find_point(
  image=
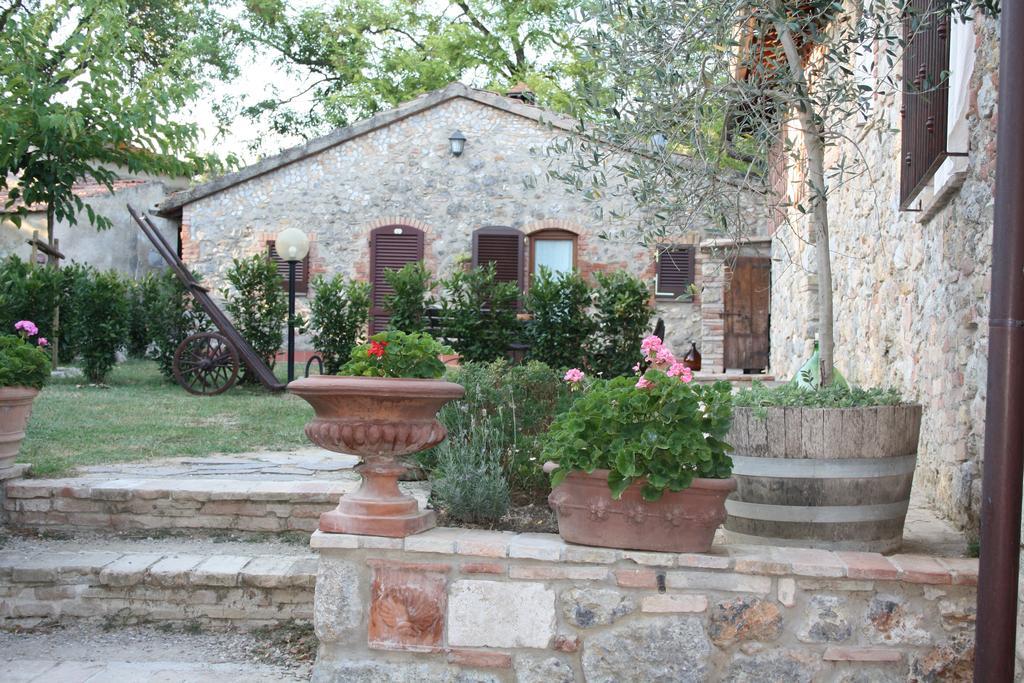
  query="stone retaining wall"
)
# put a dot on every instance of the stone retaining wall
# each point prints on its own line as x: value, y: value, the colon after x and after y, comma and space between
x: 183, y: 504
x: 464, y: 605
x: 121, y: 588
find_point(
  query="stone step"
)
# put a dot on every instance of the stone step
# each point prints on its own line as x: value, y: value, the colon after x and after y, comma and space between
x: 201, y: 582
x: 183, y: 503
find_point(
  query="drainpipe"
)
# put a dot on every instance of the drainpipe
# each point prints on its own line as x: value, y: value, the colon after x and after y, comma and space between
x: 1004, y: 414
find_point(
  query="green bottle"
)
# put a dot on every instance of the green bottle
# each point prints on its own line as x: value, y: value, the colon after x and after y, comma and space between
x: 809, y: 374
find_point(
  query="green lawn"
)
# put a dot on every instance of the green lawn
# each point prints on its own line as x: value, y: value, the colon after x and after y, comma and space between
x: 142, y: 416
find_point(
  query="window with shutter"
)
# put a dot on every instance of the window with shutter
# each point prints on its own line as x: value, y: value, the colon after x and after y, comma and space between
x: 925, y: 108
x: 675, y: 271
x: 301, y: 270
x: 391, y: 247
x: 504, y: 248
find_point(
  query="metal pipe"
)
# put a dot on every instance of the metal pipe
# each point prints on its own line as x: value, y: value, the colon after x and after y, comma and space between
x: 995, y: 634
x: 291, y: 320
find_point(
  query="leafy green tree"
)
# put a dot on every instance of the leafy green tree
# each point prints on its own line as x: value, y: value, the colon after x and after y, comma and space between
x: 560, y: 329
x: 478, y: 313
x: 101, y: 322
x: 408, y: 305
x: 91, y: 87
x: 358, y: 57
x: 622, y: 305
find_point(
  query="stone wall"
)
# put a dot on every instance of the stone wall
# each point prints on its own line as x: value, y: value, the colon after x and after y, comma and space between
x: 122, y: 247
x: 911, y: 289
x: 405, y: 173
x: 461, y: 605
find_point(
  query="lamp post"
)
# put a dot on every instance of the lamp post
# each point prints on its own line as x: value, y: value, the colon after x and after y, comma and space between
x: 292, y: 245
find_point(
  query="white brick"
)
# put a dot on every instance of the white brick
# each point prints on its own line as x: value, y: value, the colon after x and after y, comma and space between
x: 500, y: 614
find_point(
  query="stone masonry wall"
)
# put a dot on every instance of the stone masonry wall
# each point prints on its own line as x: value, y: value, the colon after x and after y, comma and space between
x: 405, y: 173
x: 460, y: 605
x: 911, y: 291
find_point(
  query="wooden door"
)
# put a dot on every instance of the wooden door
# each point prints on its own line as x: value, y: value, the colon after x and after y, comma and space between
x: 746, y: 314
x: 391, y: 247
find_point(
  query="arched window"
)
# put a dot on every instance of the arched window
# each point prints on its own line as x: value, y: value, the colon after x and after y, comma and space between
x: 553, y: 249
x: 503, y: 247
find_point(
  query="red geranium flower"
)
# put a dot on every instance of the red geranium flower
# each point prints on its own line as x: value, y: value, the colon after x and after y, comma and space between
x: 377, y: 349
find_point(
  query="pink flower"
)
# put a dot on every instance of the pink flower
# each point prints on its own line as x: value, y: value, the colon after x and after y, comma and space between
x: 650, y: 344
x: 663, y: 356
x: 636, y: 369
x: 681, y: 371
x: 573, y: 376
x: 43, y: 341
x: 644, y: 383
x: 27, y: 326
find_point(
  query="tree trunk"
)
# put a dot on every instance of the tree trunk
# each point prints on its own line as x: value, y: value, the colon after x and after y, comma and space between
x: 52, y: 263
x: 814, y: 146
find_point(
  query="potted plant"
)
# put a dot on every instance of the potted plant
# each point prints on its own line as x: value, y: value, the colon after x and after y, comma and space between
x: 24, y: 368
x: 382, y: 406
x: 827, y: 467
x: 641, y: 463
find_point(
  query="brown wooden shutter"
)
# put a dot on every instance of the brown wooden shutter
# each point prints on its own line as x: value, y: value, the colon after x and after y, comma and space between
x: 301, y: 270
x: 391, y: 247
x: 925, y: 94
x: 504, y: 248
x: 675, y: 270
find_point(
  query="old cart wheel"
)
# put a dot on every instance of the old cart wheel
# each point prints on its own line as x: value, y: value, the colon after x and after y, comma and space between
x: 206, y: 364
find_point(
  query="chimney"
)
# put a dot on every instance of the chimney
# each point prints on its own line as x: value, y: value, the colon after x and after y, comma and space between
x: 520, y: 91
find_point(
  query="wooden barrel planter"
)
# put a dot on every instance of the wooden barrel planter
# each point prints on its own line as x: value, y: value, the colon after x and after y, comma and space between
x: 835, y: 478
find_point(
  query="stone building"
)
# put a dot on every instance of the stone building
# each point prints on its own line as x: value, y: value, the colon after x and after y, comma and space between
x: 911, y: 284
x: 122, y: 247
x: 395, y: 188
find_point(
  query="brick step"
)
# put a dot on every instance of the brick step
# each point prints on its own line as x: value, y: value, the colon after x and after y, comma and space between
x: 187, y: 503
x: 241, y: 584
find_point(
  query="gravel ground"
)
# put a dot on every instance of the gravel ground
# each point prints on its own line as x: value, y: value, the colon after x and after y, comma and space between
x: 286, y: 654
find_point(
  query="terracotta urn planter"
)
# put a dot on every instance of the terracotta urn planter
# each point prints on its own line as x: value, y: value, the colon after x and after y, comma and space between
x: 683, y: 521
x: 15, y: 409
x: 381, y: 420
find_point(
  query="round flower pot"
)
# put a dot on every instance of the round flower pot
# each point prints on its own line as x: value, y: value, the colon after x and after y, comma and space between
x: 680, y: 521
x: 15, y: 409
x: 381, y: 420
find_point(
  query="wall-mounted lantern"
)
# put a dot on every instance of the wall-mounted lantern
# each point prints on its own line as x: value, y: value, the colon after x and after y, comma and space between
x: 457, y: 143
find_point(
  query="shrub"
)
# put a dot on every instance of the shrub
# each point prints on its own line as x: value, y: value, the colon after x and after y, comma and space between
x: 258, y: 306
x: 397, y: 354
x: 29, y: 293
x: 760, y: 396
x: 561, y: 325
x: 101, y: 322
x: 408, y: 305
x: 517, y: 402
x: 139, y: 335
x: 75, y: 278
x: 478, y: 313
x: 624, y: 312
x: 172, y: 316
x: 468, y: 483
x: 337, y: 317
x: 23, y: 362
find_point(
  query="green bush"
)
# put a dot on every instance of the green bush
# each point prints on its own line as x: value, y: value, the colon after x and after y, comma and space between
x: 468, y: 483
x: 623, y: 310
x: 258, y: 306
x: 397, y: 354
x: 139, y: 335
x: 75, y: 279
x: 515, y: 402
x: 478, y: 314
x: 408, y: 305
x: 760, y: 396
x: 23, y: 362
x: 29, y: 293
x: 667, y: 432
x: 172, y: 316
x: 101, y: 322
x: 337, y: 317
x: 561, y: 325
